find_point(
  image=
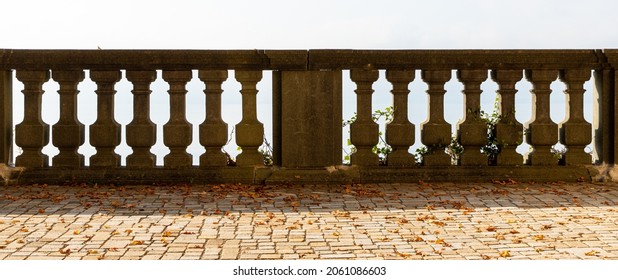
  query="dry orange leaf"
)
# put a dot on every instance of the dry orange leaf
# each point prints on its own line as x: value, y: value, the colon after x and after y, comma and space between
x: 76, y: 231
x: 416, y: 238
x: 491, y: 228
x: 591, y: 253
x: 136, y: 242
x: 538, y: 237
x: 505, y: 253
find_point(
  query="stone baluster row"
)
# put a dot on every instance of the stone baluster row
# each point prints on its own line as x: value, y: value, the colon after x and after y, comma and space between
x: 105, y: 133
x: 541, y: 132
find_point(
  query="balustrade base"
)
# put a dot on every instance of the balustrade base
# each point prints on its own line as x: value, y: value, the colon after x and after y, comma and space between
x: 301, y: 176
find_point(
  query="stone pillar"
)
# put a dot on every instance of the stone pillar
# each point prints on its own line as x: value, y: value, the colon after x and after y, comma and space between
x: 105, y: 131
x: 177, y: 132
x: 400, y: 131
x: 509, y: 132
x: 250, y: 131
x: 213, y: 131
x: 435, y: 131
x: 6, y: 117
x: 575, y: 131
x: 542, y: 131
x: 68, y: 132
x: 472, y: 130
x: 309, y: 116
x: 364, y: 131
x: 141, y: 132
x: 32, y: 134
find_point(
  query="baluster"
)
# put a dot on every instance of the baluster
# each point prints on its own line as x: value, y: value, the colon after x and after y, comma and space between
x: 32, y: 134
x: 400, y: 131
x: 68, y: 133
x: 542, y: 131
x: 472, y: 130
x: 177, y: 132
x: 509, y: 132
x: 575, y: 131
x: 141, y: 132
x: 213, y: 131
x: 364, y: 131
x: 435, y: 131
x: 249, y: 132
x: 105, y: 131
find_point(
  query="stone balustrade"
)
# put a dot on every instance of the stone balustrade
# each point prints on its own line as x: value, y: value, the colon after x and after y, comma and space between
x: 307, y: 115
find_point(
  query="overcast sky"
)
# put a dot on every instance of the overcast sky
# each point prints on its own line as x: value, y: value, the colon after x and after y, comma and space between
x: 114, y: 24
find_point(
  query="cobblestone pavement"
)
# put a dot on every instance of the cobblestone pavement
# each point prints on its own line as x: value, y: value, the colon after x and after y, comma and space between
x: 388, y: 221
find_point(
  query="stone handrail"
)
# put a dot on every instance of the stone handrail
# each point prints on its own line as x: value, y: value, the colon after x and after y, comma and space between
x: 308, y: 84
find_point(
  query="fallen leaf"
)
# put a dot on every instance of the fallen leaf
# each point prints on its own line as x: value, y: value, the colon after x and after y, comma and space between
x: 93, y: 252
x: 41, y: 211
x: 166, y: 233
x: 491, y: 228
x: 416, y: 238
x: 136, y: 242
x: 505, y: 254
x: 538, y: 237
x: 591, y: 253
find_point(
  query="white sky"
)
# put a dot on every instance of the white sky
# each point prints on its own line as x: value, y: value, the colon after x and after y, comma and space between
x: 290, y: 24
x: 294, y: 24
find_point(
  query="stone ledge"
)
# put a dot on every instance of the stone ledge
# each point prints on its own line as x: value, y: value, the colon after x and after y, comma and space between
x: 327, y: 175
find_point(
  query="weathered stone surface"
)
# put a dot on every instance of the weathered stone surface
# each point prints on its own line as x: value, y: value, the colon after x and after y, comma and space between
x: 213, y: 131
x: 435, y: 131
x: 364, y: 131
x: 6, y: 117
x: 141, y: 132
x: 575, y: 131
x: 310, y: 103
x: 542, y: 131
x: 105, y: 131
x: 400, y: 131
x: 177, y: 132
x: 509, y: 132
x: 32, y: 134
x: 250, y: 131
x: 472, y: 130
x: 68, y: 133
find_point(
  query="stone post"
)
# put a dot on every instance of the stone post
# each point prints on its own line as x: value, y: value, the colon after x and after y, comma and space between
x: 6, y: 117
x: 472, y: 130
x: 105, y: 131
x: 250, y: 131
x: 509, y: 132
x: 542, y: 131
x: 575, y: 131
x: 400, y: 131
x: 141, y: 132
x: 68, y: 132
x: 308, y: 109
x: 364, y: 131
x: 435, y: 131
x: 177, y: 132
x: 213, y: 131
x: 32, y: 134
